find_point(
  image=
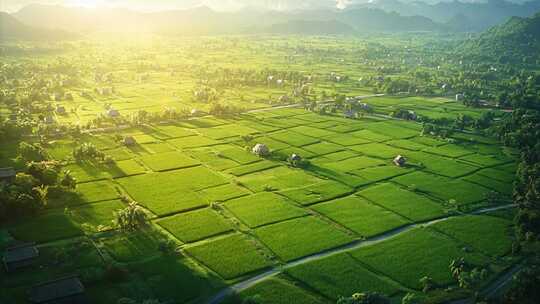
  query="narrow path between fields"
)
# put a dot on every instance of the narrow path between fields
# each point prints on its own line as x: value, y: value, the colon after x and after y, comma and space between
x: 245, y: 284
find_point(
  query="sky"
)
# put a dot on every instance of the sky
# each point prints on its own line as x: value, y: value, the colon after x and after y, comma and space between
x: 222, y: 5
x: 14, y: 5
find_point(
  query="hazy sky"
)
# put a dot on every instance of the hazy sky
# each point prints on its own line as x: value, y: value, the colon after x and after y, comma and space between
x: 14, y: 5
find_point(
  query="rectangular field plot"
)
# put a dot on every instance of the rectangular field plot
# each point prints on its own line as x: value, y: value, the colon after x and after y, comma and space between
x: 195, y: 225
x: 87, y: 172
x: 230, y: 256
x: 406, y: 203
x: 378, y: 150
x: 346, y: 140
x: 380, y: 173
x: 391, y: 129
x: 485, y: 160
x: 171, y: 191
x: 168, y: 161
x: 211, y: 157
x: 313, y: 132
x: 96, y: 191
x: 95, y: 217
x: 487, y: 234
x: 322, y: 148
x: 252, y: 168
x: 412, y: 255
x: 450, y: 150
x: 49, y: 226
x: 163, y: 275
x: 338, y: 156
x: 172, y: 131
x: 263, y: 208
x: 193, y: 142
x: 407, y: 144
x: 276, y: 291
x: 226, y: 131
x: 370, y: 135
x: 360, y: 216
x: 439, y: 164
x: 279, y: 178
x: 499, y: 175
x: 505, y: 188
x: 131, y: 247
x: 223, y: 193
x: 446, y: 189
x: 126, y: 168
x: 339, y: 275
x: 315, y: 193
x: 300, y: 237
x: 238, y: 155
x: 293, y: 138
x: 272, y: 144
x: 350, y: 164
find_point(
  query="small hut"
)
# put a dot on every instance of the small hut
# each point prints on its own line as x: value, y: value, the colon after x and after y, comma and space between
x: 62, y: 290
x: 129, y: 141
x: 400, y: 161
x: 60, y: 110
x: 113, y: 113
x: 19, y: 256
x: 295, y: 157
x: 195, y: 112
x: 7, y: 175
x: 260, y: 150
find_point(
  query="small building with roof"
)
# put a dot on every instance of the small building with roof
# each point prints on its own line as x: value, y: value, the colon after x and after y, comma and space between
x: 19, y: 256
x: 7, y: 175
x: 260, y: 150
x: 113, y: 113
x: 66, y: 290
x: 60, y: 109
x: 129, y: 141
x: 400, y: 161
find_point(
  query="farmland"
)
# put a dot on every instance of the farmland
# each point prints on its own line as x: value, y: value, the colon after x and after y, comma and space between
x: 344, y: 219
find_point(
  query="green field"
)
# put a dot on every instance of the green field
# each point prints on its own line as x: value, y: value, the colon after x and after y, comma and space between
x: 344, y: 219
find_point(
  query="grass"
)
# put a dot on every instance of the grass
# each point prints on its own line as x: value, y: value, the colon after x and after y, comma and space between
x: 340, y: 275
x: 440, y: 165
x: 505, y: 188
x: 323, y: 148
x: 171, y: 191
x: 370, y: 135
x: 360, y: 216
x: 346, y: 140
x: 168, y: 161
x: 293, y: 138
x: 315, y: 193
x: 163, y: 276
x: 127, y: 168
x: 230, y: 256
x: 49, y: 226
x: 95, y: 217
x: 459, y: 191
x: 417, y: 253
x: 485, y: 160
x: 132, y: 246
x: 193, y: 142
x: 450, y: 150
x: 299, y: 237
x: 223, y: 193
x: 263, y: 208
x: 252, y: 168
x: 379, y: 173
x: 275, y: 291
x: 97, y: 191
x: 239, y: 155
x: 487, y: 234
x: 194, y: 226
x: 406, y: 203
x: 279, y: 178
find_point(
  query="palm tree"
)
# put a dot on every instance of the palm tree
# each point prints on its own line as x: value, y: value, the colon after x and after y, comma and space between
x: 131, y: 218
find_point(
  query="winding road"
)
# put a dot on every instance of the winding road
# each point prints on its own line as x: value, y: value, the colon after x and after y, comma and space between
x: 247, y: 283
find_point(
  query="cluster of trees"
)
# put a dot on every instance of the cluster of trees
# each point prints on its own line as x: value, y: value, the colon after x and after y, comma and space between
x: 88, y: 152
x: 29, y: 191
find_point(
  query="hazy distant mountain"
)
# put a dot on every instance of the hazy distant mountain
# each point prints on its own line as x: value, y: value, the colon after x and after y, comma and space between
x: 203, y: 20
x: 516, y: 40
x: 476, y: 15
x: 12, y: 29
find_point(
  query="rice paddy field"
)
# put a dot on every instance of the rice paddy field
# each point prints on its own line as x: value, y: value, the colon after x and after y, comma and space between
x: 347, y: 221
